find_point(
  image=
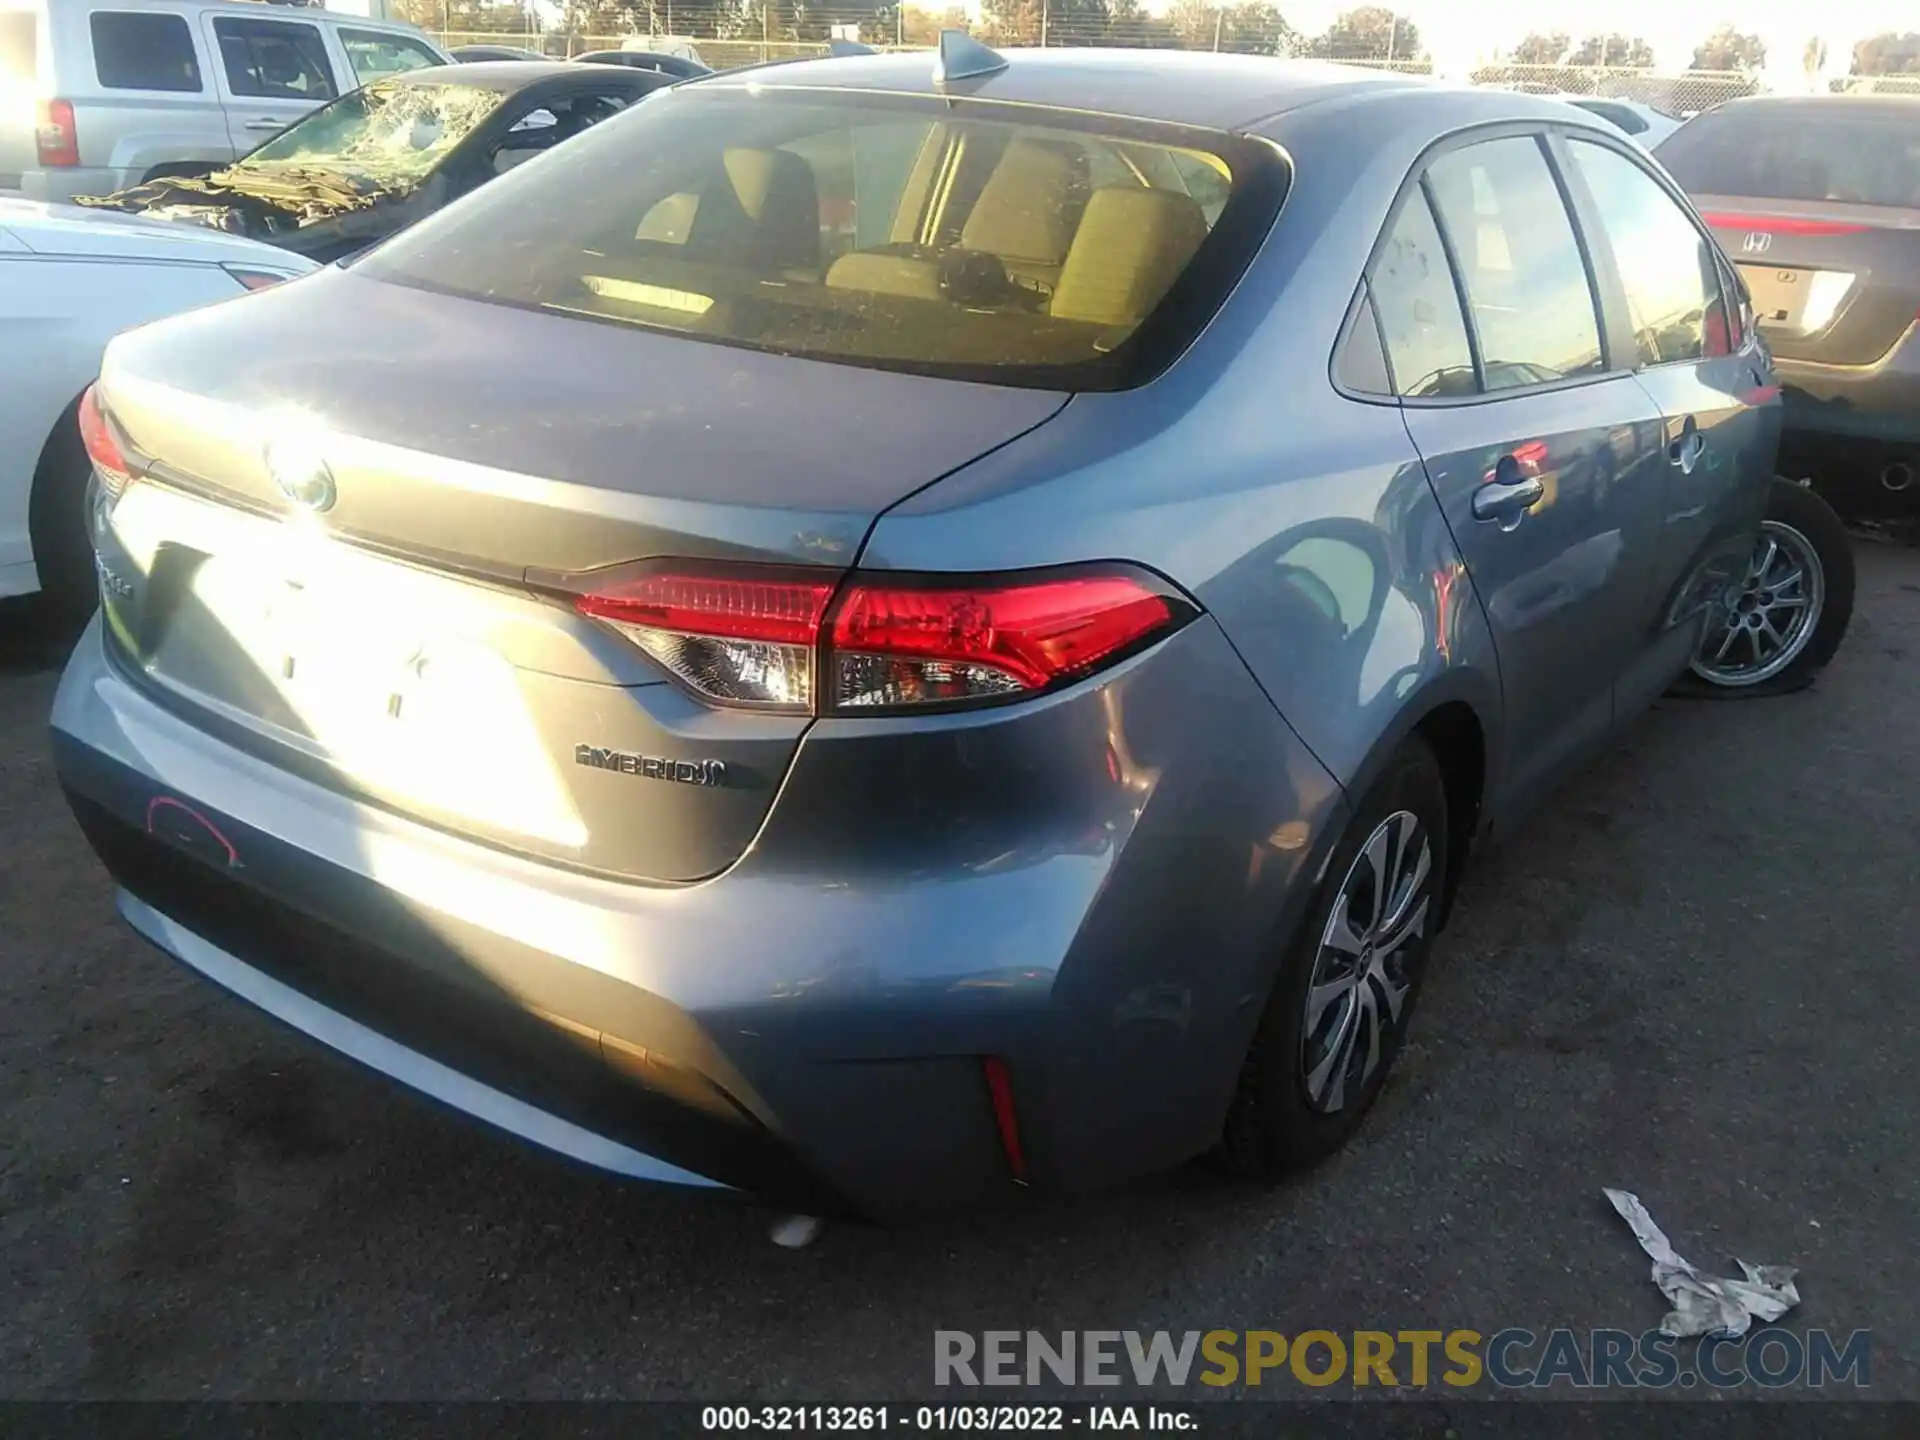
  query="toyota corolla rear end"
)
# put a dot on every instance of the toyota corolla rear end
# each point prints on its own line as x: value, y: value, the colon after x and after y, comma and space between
x: 1817, y: 201
x: 491, y: 684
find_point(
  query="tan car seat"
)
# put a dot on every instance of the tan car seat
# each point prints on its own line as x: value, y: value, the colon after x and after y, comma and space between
x: 765, y: 216
x: 1029, y: 208
x: 1131, y: 244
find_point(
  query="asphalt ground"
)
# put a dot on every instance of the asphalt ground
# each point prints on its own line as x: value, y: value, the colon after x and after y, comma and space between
x: 1692, y: 976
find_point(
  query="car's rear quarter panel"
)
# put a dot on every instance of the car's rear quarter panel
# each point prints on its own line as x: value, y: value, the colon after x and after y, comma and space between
x: 1246, y: 477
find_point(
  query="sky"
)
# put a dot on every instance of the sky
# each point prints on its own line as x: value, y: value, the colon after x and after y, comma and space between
x: 1460, y: 34
x: 1457, y: 32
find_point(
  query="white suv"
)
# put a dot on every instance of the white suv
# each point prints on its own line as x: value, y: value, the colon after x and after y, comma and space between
x: 97, y: 95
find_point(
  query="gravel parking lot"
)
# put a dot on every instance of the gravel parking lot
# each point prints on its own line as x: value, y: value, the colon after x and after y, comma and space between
x: 1692, y: 977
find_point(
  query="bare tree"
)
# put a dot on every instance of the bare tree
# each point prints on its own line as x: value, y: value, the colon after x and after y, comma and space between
x: 1614, y: 49
x: 1730, y: 49
x: 1538, y: 49
x: 1372, y: 32
x: 1888, y: 54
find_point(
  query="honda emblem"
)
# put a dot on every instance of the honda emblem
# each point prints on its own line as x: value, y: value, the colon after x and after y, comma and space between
x: 1758, y: 242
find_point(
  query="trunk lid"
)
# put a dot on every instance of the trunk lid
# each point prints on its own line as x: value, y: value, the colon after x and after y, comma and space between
x: 1834, y: 283
x: 391, y: 643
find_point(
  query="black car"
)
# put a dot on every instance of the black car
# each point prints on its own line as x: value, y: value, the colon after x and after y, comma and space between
x: 374, y: 161
x: 680, y: 67
x: 470, y: 54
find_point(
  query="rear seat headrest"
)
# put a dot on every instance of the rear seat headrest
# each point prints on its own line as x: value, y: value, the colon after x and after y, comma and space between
x: 777, y: 198
x: 1031, y: 202
x: 1131, y: 244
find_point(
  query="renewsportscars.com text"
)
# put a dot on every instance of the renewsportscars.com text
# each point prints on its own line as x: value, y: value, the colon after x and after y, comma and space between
x: 1402, y: 1359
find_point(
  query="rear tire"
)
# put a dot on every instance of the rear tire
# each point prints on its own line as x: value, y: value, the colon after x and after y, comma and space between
x: 1803, y: 562
x: 57, y: 526
x: 1347, y: 988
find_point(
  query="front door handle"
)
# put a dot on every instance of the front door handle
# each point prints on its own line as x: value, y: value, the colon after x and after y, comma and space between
x: 1687, y: 450
x: 1507, y: 501
x: 268, y: 124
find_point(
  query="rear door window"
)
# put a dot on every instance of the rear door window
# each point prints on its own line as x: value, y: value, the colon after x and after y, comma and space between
x: 1419, y: 308
x: 143, y: 52
x: 1362, y: 363
x: 274, y: 60
x: 374, y: 54
x: 552, y: 122
x: 1527, y: 290
x: 1666, y: 265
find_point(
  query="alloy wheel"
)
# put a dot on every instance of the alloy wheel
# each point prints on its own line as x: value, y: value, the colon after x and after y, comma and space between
x: 1363, y: 970
x: 1767, y: 616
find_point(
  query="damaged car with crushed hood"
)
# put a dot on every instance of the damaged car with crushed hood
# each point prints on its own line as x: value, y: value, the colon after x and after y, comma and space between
x: 373, y: 161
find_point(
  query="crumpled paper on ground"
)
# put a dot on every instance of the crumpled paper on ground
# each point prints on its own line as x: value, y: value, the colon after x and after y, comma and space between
x: 1705, y: 1304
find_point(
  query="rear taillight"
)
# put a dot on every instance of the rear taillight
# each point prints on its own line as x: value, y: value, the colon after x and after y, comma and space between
x: 1783, y: 224
x: 109, y: 462
x: 54, y: 135
x: 735, y: 636
x: 898, y: 645
x: 802, y: 641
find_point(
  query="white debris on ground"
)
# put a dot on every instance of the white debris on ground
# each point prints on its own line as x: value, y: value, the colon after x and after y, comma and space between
x: 796, y: 1232
x: 1705, y: 1304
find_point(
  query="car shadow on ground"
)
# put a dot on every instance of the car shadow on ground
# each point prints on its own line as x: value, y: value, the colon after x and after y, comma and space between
x: 31, y: 638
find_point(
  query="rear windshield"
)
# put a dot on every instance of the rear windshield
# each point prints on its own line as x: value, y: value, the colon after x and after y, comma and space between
x: 17, y: 62
x: 1008, y: 244
x: 1799, y: 154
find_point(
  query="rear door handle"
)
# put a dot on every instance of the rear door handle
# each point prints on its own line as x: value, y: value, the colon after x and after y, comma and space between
x: 265, y: 125
x: 1687, y: 450
x: 1507, y: 501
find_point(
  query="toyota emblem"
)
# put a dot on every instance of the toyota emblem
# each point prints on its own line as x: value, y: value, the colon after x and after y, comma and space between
x: 1758, y: 242
x: 301, y: 474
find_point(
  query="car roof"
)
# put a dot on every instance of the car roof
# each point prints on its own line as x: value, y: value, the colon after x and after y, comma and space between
x: 1902, y: 105
x: 236, y: 7
x: 505, y: 76
x: 1179, y: 87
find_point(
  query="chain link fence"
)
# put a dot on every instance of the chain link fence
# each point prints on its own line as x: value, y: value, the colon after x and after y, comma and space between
x: 720, y: 54
x: 727, y: 36
x: 1681, y: 94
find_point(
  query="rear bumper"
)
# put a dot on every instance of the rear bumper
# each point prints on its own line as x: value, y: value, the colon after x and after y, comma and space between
x: 389, y: 1056
x: 808, y: 1026
x: 1880, y: 401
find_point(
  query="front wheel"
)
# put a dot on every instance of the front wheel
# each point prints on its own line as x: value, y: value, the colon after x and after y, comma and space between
x: 1784, y: 617
x: 1347, y: 986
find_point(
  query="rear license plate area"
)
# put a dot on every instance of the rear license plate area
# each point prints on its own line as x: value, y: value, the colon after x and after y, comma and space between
x: 382, y: 673
x: 358, y: 659
x: 1779, y: 296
